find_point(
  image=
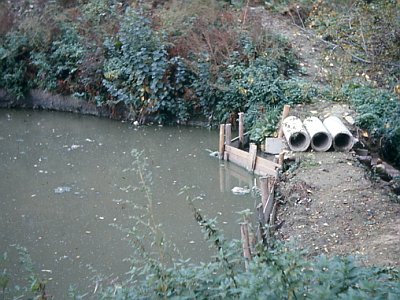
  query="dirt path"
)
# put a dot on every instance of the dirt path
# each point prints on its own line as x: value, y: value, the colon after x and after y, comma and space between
x: 308, y: 49
x: 330, y: 204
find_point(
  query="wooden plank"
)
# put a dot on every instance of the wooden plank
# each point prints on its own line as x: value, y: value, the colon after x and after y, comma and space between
x: 269, y: 202
x: 244, y: 232
x: 272, y: 216
x: 262, y: 166
x: 252, y: 157
x: 241, y: 130
x: 265, y: 167
x: 285, y: 113
x: 264, y: 194
x: 221, y: 179
x: 221, y: 141
x: 228, y: 134
x: 238, y: 159
x: 237, y: 152
x: 281, y: 159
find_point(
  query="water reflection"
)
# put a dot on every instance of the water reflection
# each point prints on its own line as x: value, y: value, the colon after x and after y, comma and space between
x: 66, y: 178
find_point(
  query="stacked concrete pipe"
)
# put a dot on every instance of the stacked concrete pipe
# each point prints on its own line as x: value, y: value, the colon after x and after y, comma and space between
x: 342, y: 139
x: 296, y: 135
x: 321, y: 139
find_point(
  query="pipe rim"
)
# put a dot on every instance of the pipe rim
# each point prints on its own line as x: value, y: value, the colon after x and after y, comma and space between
x: 321, y: 141
x: 342, y: 142
x: 298, y: 141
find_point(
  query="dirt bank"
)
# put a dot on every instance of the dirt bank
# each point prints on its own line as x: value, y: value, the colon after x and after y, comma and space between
x: 37, y: 99
x: 332, y: 205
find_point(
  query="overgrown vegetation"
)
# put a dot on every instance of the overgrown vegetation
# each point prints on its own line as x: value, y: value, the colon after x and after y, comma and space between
x: 214, y: 64
x: 379, y: 114
x: 176, y: 60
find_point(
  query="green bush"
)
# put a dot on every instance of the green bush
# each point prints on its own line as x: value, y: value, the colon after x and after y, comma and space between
x: 139, y: 72
x: 58, y: 68
x: 14, y: 64
x: 378, y: 113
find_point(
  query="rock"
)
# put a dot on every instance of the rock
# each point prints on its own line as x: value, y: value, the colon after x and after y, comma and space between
x: 350, y: 120
x: 395, y: 185
x: 365, y: 160
x: 380, y: 169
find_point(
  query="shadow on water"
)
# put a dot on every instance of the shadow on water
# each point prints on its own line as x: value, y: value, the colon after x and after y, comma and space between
x: 65, y: 178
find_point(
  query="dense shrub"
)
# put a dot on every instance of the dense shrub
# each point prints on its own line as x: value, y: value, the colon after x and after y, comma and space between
x: 58, y: 68
x: 139, y: 72
x: 14, y: 64
x: 379, y: 114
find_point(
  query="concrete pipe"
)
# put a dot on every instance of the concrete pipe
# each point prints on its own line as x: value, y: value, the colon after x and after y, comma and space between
x: 295, y: 133
x: 321, y: 139
x: 341, y: 136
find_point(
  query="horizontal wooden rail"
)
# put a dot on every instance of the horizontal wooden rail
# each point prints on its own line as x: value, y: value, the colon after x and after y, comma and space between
x: 259, y: 165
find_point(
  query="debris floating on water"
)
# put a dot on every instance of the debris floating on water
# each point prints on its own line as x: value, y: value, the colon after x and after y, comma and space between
x: 62, y: 189
x: 212, y: 153
x: 74, y: 147
x: 240, y: 190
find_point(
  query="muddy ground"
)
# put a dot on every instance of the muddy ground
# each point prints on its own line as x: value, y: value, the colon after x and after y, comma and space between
x: 331, y: 203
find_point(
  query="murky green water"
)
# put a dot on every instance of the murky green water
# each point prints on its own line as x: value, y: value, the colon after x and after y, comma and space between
x: 64, y: 180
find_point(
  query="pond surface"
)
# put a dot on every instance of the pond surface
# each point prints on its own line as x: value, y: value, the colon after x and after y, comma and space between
x: 65, y: 178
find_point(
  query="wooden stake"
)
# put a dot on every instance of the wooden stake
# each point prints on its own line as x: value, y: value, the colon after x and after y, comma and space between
x: 228, y: 134
x: 264, y: 193
x: 221, y: 147
x: 222, y: 178
x: 252, y: 157
x: 281, y: 158
x: 244, y: 232
x: 285, y: 113
x: 241, y: 130
x: 261, y: 224
x: 267, y: 196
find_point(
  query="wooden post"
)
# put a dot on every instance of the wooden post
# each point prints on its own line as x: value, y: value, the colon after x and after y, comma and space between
x: 267, y: 196
x: 281, y: 159
x: 221, y: 147
x: 222, y: 178
x: 285, y: 113
x: 272, y: 216
x: 264, y: 194
x: 244, y: 232
x: 228, y: 134
x: 261, y: 224
x: 252, y: 157
x: 241, y: 130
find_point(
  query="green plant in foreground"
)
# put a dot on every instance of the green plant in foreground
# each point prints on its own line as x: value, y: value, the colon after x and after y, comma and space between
x: 279, y: 271
x: 33, y: 286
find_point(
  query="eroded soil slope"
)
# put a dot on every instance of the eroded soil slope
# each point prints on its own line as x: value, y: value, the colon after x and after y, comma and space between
x: 331, y: 205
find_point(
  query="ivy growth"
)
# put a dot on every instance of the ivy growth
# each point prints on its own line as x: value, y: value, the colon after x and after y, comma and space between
x: 139, y: 72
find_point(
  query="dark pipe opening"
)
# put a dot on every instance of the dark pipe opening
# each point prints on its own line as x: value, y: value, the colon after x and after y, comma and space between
x: 342, y: 141
x: 297, y: 140
x: 320, y: 141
